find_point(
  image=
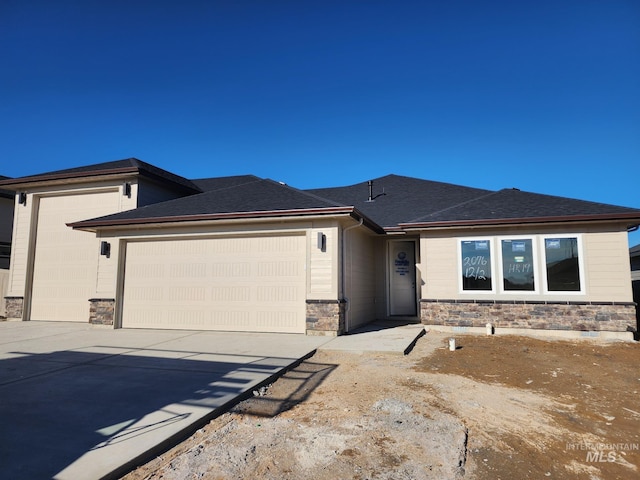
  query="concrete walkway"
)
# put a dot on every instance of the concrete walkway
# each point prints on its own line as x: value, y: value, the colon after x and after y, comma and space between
x: 378, y: 337
x: 85, y: 402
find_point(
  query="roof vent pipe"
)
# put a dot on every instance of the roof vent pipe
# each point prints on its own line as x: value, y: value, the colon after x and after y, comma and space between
x: 371, y: 197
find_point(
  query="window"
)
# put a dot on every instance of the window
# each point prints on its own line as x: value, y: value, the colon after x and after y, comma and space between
x: 562, y: 264
x: 476, y: 265
x: 521, y: 265
x: 518, y: 265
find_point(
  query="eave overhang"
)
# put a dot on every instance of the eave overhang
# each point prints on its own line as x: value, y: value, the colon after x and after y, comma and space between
x: 109, y: 224
x: 67, y: 178
x: 631, y: 219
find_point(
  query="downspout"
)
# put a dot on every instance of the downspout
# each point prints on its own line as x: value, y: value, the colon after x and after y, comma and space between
x: 343, y: 274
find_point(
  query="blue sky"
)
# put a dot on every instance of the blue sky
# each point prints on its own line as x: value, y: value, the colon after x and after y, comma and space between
x: 543, y: 96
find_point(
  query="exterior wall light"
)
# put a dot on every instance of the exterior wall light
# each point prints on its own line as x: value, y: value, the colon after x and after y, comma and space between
x: 126, y: 189
x: 105, y: 249
x: 22, y: 198
x: 322, y: 241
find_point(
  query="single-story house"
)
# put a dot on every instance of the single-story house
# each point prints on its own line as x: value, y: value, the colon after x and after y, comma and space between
x: 131, y: 245
x: 634, y: 257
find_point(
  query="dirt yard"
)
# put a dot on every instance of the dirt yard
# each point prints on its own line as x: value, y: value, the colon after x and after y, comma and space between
x: 498, y: 407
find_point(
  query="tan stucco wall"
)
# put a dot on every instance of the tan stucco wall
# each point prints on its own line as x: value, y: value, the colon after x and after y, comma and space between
x: 360, y: 277
x: 20, y: 247
x: 322, y: 266
x: 607, y: 267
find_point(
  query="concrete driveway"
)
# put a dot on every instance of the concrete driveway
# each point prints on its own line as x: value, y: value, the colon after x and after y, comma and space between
x: 86, y: 402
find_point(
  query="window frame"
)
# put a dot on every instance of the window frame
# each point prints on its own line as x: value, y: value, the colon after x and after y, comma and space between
x: 492, y: 263
x: 581, y: 271
x: 538, y: 246
x: 535, y: 265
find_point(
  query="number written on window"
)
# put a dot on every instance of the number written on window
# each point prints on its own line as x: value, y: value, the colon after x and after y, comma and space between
x: 476, y: 265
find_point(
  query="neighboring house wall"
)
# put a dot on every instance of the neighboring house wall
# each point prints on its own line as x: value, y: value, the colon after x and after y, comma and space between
x: 4, y: 286
x: 635, y: 265
x: 6, y: 222
x: 604, y: 302
x: 635, y: 283
x: 6, y: 231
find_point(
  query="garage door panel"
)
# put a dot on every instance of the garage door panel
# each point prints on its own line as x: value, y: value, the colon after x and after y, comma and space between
x: 65, y: 263
x: 241, y: 284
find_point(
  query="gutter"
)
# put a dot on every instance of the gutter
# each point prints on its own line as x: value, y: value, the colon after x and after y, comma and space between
x: 93, y: 225
x: 635, y: 217
x: 85, y: 176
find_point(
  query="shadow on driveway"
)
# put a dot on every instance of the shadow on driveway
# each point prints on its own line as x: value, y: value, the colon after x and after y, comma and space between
x: 98, y: 411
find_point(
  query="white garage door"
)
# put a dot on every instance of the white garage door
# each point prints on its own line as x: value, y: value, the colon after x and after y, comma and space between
x: 252, y: 284
x: 65, y: 265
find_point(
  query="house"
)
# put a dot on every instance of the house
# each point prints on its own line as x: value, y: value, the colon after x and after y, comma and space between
x: 130, y: 245
x: 6, y: 229
x: 634, y: 256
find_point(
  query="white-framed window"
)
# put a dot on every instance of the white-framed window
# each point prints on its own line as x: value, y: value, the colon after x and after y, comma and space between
x: 518, y: 266
x: 476, y: 265
x: 531, y: 264
x: 563, y: 264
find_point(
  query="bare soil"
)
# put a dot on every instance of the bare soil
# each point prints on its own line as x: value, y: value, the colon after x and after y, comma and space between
x: 498, y: 407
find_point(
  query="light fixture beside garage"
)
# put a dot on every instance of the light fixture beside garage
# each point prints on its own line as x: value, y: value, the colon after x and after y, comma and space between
x: 105, y: 248
x: 322, y: 241
x: 22, y: 198
x: 126, y: 190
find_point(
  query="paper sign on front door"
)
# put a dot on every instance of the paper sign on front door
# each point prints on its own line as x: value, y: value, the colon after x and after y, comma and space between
x: 402, y: 278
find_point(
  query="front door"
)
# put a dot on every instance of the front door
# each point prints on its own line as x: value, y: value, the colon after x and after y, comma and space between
x: 402, y: 278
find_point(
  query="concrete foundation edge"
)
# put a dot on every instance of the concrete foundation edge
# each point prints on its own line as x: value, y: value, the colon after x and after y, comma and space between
x: 548, y: 334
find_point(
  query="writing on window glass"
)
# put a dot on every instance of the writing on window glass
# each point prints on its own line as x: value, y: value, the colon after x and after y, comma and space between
x: 476, y: 265
x: 517, y: 265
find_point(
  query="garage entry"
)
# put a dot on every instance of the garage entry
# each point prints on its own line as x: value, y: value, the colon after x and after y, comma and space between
x: 251, y: 284
x: 65, y: 263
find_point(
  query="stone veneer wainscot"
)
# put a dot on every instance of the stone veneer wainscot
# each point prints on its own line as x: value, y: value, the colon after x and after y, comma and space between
x: 14, y: 307
x: 102, y: 311
x: 325, y: 317
x: 581, y: 316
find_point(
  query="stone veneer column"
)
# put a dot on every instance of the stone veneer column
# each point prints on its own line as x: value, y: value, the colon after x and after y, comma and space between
x: 325, y: 317
x: 14, y: 307
x: 580, y: 316
x: 101, y: 311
